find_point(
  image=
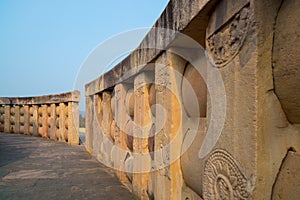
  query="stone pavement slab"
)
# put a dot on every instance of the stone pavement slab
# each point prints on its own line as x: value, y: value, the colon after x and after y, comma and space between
x: 37, y: 168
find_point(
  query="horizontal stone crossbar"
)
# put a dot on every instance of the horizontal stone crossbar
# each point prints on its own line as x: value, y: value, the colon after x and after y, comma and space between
x: 45, y: 99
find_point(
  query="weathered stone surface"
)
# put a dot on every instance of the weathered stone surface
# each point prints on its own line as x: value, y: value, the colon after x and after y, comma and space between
x: 106, y: 114
x: 73, y: 123
x: 7, y: 118
x: 224, y: 43
x: 193, y: 84
x: 177, y: 17
x: 152, y: 99
x: 89, y: 118
x: 287, y: 182
x: 63, y: 136
x: 286, y: 59
x: 129, y: 128
x: 193, y: 175
x: 141, y: 132
x: 248, y: 115
x: 120, y: 118
x: 168, y: 140
x: 26, y: 119
x: 113, y: 105
x: 223, y: 178
x: 53, y: 116
x: 35, y: 125
x: 274, y: 132
x: 2, y: 116
x: 97, y: 121
x: 188, y: 193
x: 46, y: 99
x: 45, y: 127
x: 129, y: 102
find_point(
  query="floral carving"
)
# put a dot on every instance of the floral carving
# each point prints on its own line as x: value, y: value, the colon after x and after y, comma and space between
x: 223, y: 179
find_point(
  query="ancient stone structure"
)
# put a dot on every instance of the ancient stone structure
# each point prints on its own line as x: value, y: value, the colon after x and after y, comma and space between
x: 53, y: 116
x: 179, y: 122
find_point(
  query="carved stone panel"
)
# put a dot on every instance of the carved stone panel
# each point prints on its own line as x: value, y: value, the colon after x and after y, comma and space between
x: 286, y: 59
x: 225, y: 43
x: 287, y: 182
x: 223, y: 179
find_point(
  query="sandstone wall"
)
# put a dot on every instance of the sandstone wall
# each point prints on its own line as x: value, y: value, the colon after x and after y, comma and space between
x: 53, y: 116
x: 177, y: 121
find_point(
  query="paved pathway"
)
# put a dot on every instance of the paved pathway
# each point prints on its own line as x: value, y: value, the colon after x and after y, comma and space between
x: 37, y: 168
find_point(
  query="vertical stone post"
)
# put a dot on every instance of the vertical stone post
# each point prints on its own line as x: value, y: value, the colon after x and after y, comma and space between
x: 40, y: 120
x: 26, y: 119
x: 44, y: 121
x: 12, y: 126
x: 107, y: 142
x: 57, y: 123
x: 22, y: 119
x: 142, y: 119
x: 73, y: 123
x: 120, y: 119
x: 30, y: 120
x: 1, y: 118
x: 169, y: 181
x: 98, y: 138
x: 89, y: 117
x: 7, y: 119
x: 35, y: 120
x: 107, y: 114
x: 62, y: 118
x: 52, y: 122
x: 17, y: 119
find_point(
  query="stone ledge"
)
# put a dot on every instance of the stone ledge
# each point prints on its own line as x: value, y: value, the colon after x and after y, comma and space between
x: 73, y: 96
x: 178, y: 16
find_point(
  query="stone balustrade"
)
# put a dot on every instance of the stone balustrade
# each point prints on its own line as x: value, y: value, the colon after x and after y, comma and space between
x: 179, y: 122
x: 52, y: 116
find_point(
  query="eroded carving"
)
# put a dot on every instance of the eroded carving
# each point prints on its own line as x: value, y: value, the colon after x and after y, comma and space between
x: 163, y: 79
x: 225, y: 43
x: 223, y: 179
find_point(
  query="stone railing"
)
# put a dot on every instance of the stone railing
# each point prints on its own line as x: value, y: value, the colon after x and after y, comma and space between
x: 179, y: 122
x: 53, y: 116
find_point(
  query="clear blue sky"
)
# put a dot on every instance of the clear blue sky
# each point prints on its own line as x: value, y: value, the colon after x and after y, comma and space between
x: 44, y: 42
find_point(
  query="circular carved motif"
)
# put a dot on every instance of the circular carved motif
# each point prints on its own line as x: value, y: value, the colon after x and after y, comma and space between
x: 225, y: 44
x: 223, y: 179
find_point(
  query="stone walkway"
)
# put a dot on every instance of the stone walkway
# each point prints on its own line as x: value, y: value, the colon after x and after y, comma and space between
x: 37, y: 168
